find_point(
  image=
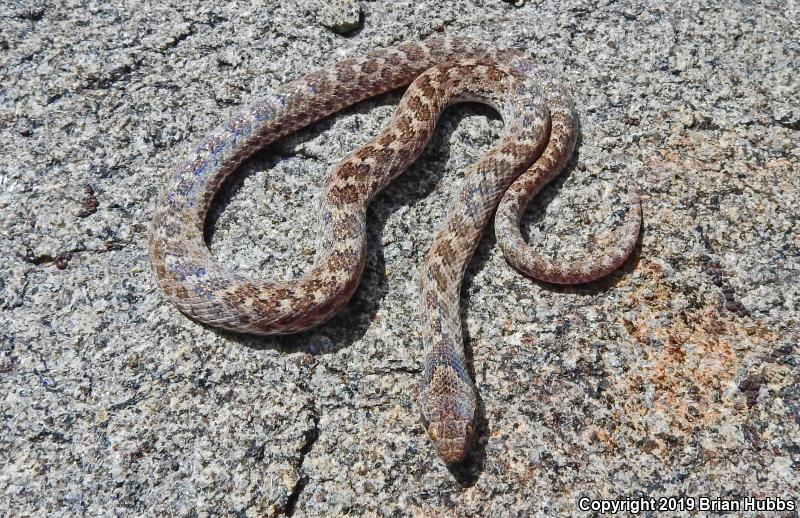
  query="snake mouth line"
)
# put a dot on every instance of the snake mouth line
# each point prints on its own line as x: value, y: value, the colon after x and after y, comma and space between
x: 453, y: 438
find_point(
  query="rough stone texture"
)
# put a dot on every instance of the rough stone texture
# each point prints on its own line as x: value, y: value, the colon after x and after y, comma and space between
x: 676, y: 376
x: 341, y: 16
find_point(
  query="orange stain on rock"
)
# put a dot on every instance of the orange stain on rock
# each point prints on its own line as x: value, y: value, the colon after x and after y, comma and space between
x: 691, y: 359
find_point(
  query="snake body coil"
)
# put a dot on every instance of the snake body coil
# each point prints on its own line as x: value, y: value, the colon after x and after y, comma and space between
x: 540, y: 133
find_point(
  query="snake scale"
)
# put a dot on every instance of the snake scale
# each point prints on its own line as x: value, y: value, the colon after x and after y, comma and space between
x: 539, y: 137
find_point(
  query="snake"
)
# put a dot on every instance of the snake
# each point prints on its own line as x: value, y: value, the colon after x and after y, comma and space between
x: 539, y: 135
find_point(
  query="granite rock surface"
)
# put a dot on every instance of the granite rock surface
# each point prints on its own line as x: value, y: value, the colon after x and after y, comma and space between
x: 677, y: 375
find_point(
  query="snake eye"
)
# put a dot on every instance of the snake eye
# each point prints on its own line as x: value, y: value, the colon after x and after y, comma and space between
x: 432, y: 433
x: 470, y: 429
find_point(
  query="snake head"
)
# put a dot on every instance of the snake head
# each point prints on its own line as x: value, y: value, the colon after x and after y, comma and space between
x: 452, y: 438
x: 447, y: 399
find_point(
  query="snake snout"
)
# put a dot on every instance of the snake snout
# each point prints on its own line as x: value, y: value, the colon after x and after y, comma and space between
x: 452, y: 438
x: 447, y: 401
